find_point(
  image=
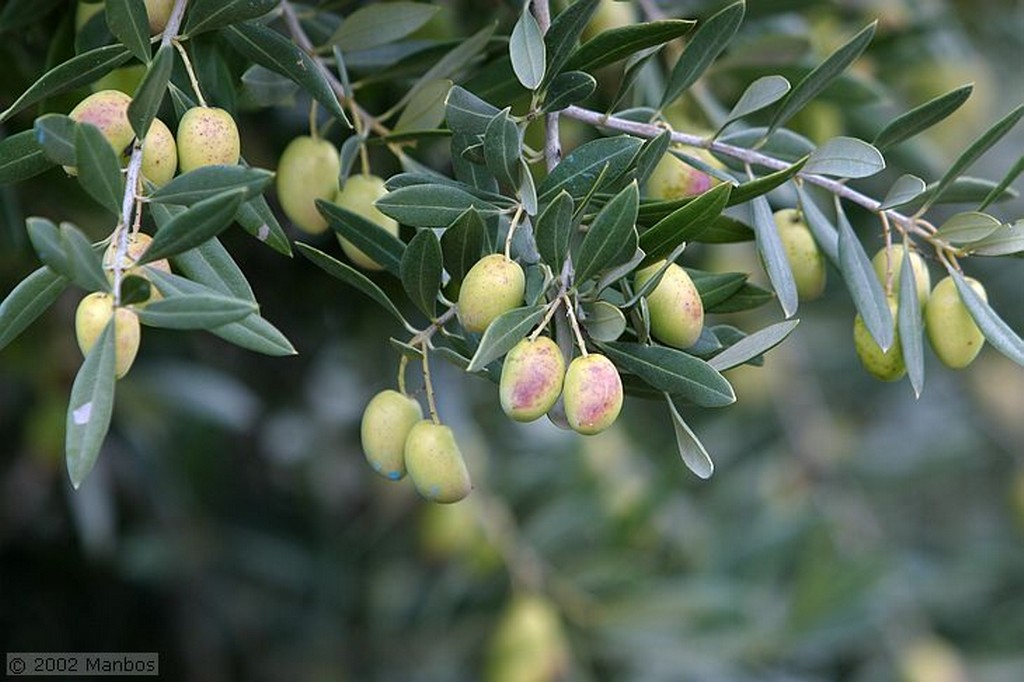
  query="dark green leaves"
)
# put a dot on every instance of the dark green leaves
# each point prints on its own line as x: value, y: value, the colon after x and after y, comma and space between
x: 380, y: 24
x: 150, y: 94
x: 822, y: 75
x: 21, y: 157
x: 67, y: 252
x: 209, y: 181
x: 578, y: 172
x: 467, y: 113
x: 527, y: 51
x: 965, y: 228
x: 752, y: 346
x: 195, y: 311
x: 433, y: 205
x: 707, y: 43
x: 773, y: 255
x: 272, y: 50
x: 55, y: 134
x: 569, y: 88
x: 129, y: 23
x: 560, y: 40
x: 684, y: 224
x: 611, y: 46
x: 463, y: 243
x: 603, y: 245
x: 380, y: 245
x: 906, y: 188
x: 420, y: 271
x: 908, y: 323
x: 674, y: 372
x: 504, y: 332
x: 691, y: 450
x: 75, y: 72
x: 90, y: 407
x: 921, y: 118
x: 860, y: 278
x: 996, y: 331
x: 206, y: 15
x: 204, y: 220
x: 760, y: 94
x: 502, y: 149
x: 553, y: 230
x: 27, y: 301
x: 99, y: 172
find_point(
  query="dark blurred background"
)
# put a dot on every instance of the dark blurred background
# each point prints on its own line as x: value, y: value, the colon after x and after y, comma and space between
x: 850, y: 532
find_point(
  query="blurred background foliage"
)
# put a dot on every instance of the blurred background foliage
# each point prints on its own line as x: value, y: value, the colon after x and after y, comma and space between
x: 850, y: 532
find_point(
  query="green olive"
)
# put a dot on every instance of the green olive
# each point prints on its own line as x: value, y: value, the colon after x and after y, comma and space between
x: 494, y: 285
x: 207, y: 136
x: 386, y: 423
x: 922, y: 278
x: 677, y: 313
x: 531, y: 378
x: 359, y: 195
x: 885, y: 365
x: 952, y: 332
x: 802, y: 252
x: 592, y: 393
x: 308, y: 170
x: 92, y: 316
x: 435, y: 464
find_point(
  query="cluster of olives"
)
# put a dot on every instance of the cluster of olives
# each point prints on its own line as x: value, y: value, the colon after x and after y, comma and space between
x: 206, y: 136
x: 308, y: 170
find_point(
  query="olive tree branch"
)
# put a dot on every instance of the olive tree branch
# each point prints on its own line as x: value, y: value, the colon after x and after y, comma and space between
x: 134, y: 171
x: 552, y: 140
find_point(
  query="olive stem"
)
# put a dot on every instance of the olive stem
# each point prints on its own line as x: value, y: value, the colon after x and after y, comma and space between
x: 552, y: 307
x: 428, y: 385
x: 131, y: 201
x: 887, y: 235
x: 403, y: 362
x: 574, y: 323
x: 313, y: 131
x: 512, y: 230
x: 426, y: 334
x: 191, y: 72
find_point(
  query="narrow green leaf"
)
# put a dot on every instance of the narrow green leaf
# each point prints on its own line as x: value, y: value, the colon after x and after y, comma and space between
x: 380, y: 245
x: 203, y: 221
x: 650, y: 154
x: 1007, y: 240
x: 686, y: 223
x: 84, y: 261
x: 567, y: 88
x: 129, y: 23
x: 866, y: 290
x: 553, y: 230
x: 277, y: 53
x: 253, y: 332
x: 150, y: 93
x: 207, y: 15
x: 759, y: 95
x: 527, y: 191
x: 421, y: 269
x: 21, y: 157
x: 75, y: 72
x: 750, y: 347
x: 964, y: 228
x: 453, y: 62
x: 381, y: 24
x: 610, y: 46
x: 426, y: 109
x: 27, y: 301
x: 90, y: 408
x: 463, y: 243
x: 910, y: 327
x: 502, y: 149
x: 209, y: 181
x: 845, y: 157
x: 266, y: 88
x: 212, y: 265
x: 716, y: 287
x: 963, y: 190
x: 673, y: 371
x: 766, y: 183
x: 256, y: 218
x: 579, y: 170
x: 974, y: 152
x: 996, y: 331
x: 434, y: 205
x: 503, y: 333
x: 922, y: 117
x: 633, y: 68
x: 821, y: 76
x: 195, y: 311
x: 566, y: 28
x: 692, y: 451
x: 99, y: 172
x: 749, y: 297
x: 55, y: 134
x: 773, y: 255
x: 904, y: 190
x: 526, y: 49
x: 825, y: 233
x: 352, y: 277
x: 48, y: 245
x: 603, y: 243
x: 466, y: 113
x: 710, y: 39
x: 999, y: 189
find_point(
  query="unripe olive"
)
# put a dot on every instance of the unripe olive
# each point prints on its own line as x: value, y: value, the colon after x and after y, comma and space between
x: 494, y: 285
x: 802, y: 252
x: 158, y: 11
x: 952, y: 332
x: 922, y: 278
x: 529, y: 643
x: 677, y: 313
x: 592, y: 393
x: 435, y: 464
x: 92, y: 316
x: 386, y: 423
x: 308, y: 170
x: 531, y: 378
x: 125, y: 79
x: 159, y: 154
x: 672, y: 178
x: 609, y: 15
x: 359, y: 196
x: 137, y: 245
x: 887, y: 365
x: 207, y: 136
x: 108, y: 111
